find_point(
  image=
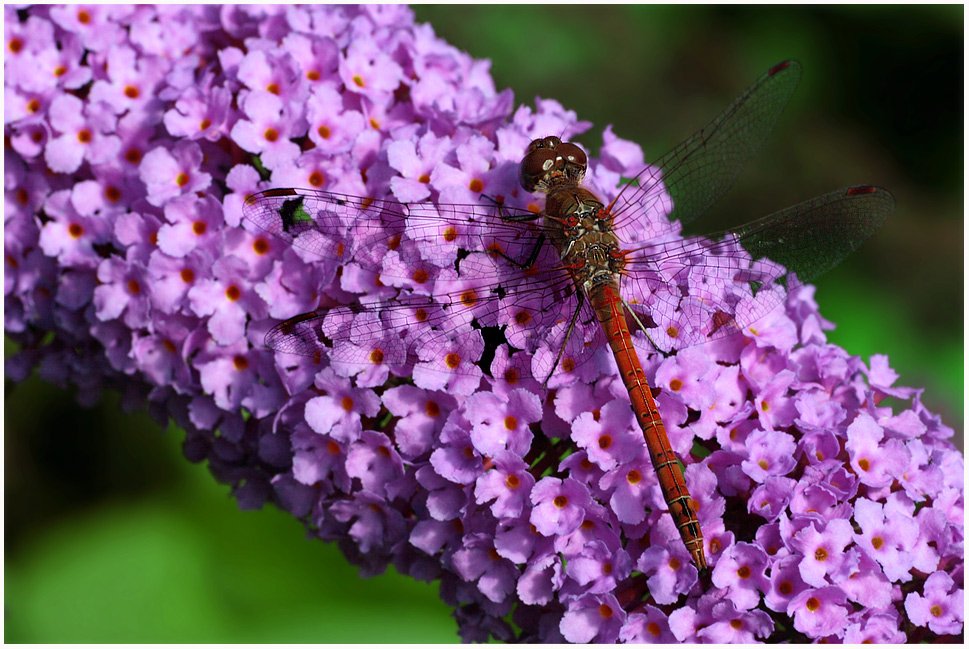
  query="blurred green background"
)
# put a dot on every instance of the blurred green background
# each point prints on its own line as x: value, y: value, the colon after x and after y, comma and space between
x: 111, y: 537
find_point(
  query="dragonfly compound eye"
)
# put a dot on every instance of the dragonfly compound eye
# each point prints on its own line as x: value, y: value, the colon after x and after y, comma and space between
x: 549, y: 142
x: 572, y: 153
x: 535, y: 168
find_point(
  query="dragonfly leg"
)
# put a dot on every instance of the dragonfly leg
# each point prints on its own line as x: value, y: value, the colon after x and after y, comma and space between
x: 536, y: 250
x: 532, y: 256
x: 642, y: 328
x: 580, y: 297
x: 518, y: 218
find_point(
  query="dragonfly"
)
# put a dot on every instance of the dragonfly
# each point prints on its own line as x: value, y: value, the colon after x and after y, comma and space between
x: 556, y: 286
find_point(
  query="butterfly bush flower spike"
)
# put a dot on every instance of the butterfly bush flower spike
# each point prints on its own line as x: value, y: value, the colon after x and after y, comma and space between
x: 831, y: 499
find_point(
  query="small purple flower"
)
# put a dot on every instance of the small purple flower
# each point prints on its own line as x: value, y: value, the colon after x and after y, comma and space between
x: 269, y: 72
x: 741, y: 570
x: 422, y: 415
x: 593, y: 617
x: 375, y: 358
x: 819, y: 612
x: 451, y: 366
x: 669, y: 574
x: 939, y: 607
x: 415, y: 161
x: 500, y: 424
x: 268, y: 129
x: 733, y: 625
x: 175, y: 172
x: 559, y: 506
x: 690, y: 375
x: 880, y: 628
x: 770, y: 454
x: 157, y: 354
x: 234, y: 377
x: 317, y: 459
x: 508, y: 484
x: 479, y: 561
x: 541, y: 579
x: 867, y: 584
x: 455, y: 458
x: 774, y: 407
x: 373, y: 461
x: 98, y: 26
x: 785, y: 583
x: 650, y: 625
x: 199, y: 113
x: 598, y: 568
x: 875, y: 464
x: 70, y: 237
x: 887, y: 537
x: 339, y: 403
x: 607, y: 435
x: 824, y: 551
x: 82, y: 133
x: 225, y: 300
x: 131, y: 82
x: 631, y: 488
x: 370, y: 72
x: 472, y: 179
x: 772, y: 498
x: 331, y: 127
x: 123, y: 289
x: 373, y: 523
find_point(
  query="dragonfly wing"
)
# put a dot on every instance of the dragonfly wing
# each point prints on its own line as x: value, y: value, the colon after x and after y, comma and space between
x: 528, y: 311
x: 348, y: 228
x: 703, y: 167
x: 461, y: 266
x: 813, y: 237
x: 700, y: 289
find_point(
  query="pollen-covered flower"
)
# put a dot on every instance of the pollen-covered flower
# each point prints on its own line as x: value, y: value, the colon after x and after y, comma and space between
x: 436, y: 399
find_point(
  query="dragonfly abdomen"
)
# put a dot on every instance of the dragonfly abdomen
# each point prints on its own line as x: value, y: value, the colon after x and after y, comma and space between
x: 611, y: 315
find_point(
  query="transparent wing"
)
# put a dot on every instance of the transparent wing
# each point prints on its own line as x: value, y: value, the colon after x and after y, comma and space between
x: 533, y: 319
x: 362, y: 230
x: 699, y: 289
x: 687, y: 292
x: 458, y: 267
x: 703, y: 167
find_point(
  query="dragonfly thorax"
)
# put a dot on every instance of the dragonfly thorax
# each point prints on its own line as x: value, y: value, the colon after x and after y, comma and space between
x: 579, y: 228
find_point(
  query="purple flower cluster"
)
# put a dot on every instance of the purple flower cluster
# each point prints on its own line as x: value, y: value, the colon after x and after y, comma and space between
x: 134, y: 135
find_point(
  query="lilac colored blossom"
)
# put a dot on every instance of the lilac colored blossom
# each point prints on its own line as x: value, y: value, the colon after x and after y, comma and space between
x: 768, y: 455
x: 827, y: 514
x: 649, y: 625
x: 741, y: 571
x: 479, y: 561
x: 823, y: 551
x: 877, y: 628
x: 887, y: 537
x: 786, y: 583
x: 559, y: 506
x: 668, y: 574
x: 734, y: 626
x: 876, y: 464
x: 593, y: 618
x: 508, y: 484
x: 820, y: 612
x: 498, y: 424
x: 939, y: 606
x: 609, y: 438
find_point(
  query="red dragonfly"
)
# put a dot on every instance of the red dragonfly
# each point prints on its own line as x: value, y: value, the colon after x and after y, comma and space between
x: 492, y: 270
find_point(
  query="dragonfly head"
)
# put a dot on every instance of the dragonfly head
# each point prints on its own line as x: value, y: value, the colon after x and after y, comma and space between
x: 550, y: 162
